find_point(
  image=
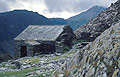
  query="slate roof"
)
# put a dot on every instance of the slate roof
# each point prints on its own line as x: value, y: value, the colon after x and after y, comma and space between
x: 41, y: 32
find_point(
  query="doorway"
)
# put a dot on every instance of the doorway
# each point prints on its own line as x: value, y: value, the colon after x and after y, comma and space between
x: 23, y: 50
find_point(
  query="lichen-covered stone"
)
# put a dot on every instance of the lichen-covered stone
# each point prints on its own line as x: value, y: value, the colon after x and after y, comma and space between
x: 101, y: 58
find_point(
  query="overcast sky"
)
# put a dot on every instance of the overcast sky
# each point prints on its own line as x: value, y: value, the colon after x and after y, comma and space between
x: 53, y: 8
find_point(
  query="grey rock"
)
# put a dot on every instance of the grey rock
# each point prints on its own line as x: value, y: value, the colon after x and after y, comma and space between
x: 99, y: 24
x: 61, y: 75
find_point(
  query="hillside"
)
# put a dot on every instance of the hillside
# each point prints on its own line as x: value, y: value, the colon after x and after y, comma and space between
x: 76, y: 21
x: 58, y: 21
x: 100, y: 58
x: 96, y: 26
x: 14, y: 22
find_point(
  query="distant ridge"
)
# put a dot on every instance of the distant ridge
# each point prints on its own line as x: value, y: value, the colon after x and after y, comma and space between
x: 58, y: 21
x: 76, y: 21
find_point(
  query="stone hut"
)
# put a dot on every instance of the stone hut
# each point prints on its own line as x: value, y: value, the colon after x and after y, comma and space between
x: 43, y: 39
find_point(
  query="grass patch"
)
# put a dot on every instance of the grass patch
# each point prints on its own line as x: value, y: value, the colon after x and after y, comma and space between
x: 117, y: 31
x: 112, y: 32
x: 21, y: 73
x: 58, y: 57
x: 78, y: 41
x: 2, y: 65
x: 33, y: 60
x: 75, y: 71
x: 66, y: 73
x: 66, y: 48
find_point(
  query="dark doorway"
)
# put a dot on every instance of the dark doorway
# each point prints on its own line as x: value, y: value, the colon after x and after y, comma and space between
x: 23, y: 51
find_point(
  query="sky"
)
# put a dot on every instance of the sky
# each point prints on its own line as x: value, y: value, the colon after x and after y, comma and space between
x: 53, y: 8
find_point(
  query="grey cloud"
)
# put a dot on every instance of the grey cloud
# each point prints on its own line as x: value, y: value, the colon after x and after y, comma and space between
x: 6, y: 4
x: 3, y: 6
x: 73, y: 5
x: 57, y: 6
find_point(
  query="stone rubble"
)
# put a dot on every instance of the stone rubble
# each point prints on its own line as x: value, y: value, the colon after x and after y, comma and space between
x: 45, y: 64
x: 101, y: 58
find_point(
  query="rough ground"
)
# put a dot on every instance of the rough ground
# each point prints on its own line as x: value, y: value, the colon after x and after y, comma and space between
x: 100, y: 58
x: 37, y: 66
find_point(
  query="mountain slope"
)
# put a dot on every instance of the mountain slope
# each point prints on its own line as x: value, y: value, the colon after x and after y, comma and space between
x: 100, y: 58
x: 14, y: 22
x: 103, y: 21
x: 58, y: 21
x: 82, y: 18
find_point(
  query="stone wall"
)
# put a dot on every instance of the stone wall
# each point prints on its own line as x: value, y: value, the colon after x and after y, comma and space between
x: 59, y: 47
x: 30, y: 48
x: 66, y: 37
x: 18, y: 44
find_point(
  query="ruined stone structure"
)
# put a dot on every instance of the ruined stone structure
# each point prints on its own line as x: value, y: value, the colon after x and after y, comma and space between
x: 43, y: 39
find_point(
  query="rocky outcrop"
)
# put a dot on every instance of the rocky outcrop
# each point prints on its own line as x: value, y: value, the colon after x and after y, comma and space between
x: 100, y: 58
x: 99, y: 24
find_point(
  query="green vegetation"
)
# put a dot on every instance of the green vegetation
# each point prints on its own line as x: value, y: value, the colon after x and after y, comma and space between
x: 65, y: 56
x: 2, y: 65
x: 21, y: 73
x: 78, y: 41
x: 66, y: 73
x: 117, y: 31
x: 33, y: 60
x: 75, y: 70
x: 66, y: 48
x: 112, y: 32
